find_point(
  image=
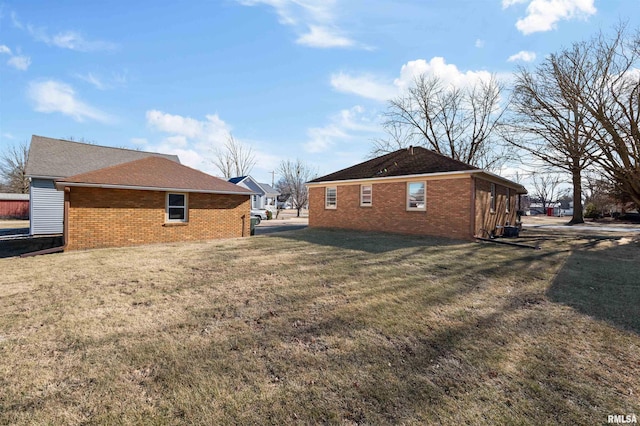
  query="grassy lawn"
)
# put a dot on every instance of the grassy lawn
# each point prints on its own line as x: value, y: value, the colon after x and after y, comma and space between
x: 324, y: 326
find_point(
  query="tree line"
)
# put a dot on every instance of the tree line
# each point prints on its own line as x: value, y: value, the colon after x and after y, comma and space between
x: 577, y: 111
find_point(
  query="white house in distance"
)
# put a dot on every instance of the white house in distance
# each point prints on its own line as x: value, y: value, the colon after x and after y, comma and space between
x: 265, y: 196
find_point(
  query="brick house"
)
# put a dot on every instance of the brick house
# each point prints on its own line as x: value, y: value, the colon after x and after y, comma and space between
x: 151, y: 200
x: 51, y: 159
x: 415, y: 191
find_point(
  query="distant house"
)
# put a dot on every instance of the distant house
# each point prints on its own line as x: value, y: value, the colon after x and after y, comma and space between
x: 14, y: 206
x: 415, y: 191
x: 51, y: 159
x: 264, y: 197
x: 150, y: 200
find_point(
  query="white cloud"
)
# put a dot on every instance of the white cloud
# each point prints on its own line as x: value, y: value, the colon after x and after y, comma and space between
x: 93, y: 80
x: 20, y: 62
x: 373, y: 87
x: 17, y: 61
x: 324, y: 37
x: 543, y: 15
x: 523, y: 55
x: 365, y: 85
x: 348, y: 125
x: 191, y: 139
x: 314, y: 20
x: 479, y: 43
x: 194, y: 141
x: 72, y: 40
x: 507, y: 3
x: 15, y: 21
x: 50, y: 96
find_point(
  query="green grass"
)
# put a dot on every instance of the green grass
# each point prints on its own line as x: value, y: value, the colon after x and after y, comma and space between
x: 316, y: 326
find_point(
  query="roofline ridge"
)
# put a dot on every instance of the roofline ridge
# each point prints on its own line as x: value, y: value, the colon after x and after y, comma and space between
x: 105, y: 146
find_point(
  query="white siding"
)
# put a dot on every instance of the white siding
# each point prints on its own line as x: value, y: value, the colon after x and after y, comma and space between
x: 47, y: 208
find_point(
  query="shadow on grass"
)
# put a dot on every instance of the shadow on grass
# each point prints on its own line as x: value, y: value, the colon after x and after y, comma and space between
x: 364, y: 241
x: 18, y: 246
x: 603, y: 282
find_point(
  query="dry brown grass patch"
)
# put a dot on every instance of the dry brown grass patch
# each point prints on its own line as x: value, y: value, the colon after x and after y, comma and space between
x: 309, y: 327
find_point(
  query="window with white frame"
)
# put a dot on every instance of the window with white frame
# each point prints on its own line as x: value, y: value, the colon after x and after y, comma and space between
x: 330, y: 197
x: 366, y: 195
x: 493, y: 198
x: 176, y: 207
x: 416, y: 195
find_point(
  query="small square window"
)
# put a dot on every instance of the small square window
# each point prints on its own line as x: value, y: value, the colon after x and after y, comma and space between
x: 366, y: 195
x: 176, y: 209
x: 330, y: 198
x: 417, y: 196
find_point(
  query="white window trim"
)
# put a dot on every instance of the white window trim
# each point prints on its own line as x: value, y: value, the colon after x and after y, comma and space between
x: 416, y: 209
x: 186, y: 208
x: 326, y: 200
x: 362, y: 203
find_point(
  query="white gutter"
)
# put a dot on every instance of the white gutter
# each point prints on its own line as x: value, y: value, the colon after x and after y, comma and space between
x: 62, y: 184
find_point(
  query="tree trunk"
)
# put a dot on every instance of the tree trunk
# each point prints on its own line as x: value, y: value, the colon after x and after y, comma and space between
x: 578, y: 216
x: 299, y: 208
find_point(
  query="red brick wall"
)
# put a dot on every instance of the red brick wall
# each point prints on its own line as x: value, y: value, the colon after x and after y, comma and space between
x: 487, y: 221
x: 118, y: 217
x: 448, y: 212
x: 14, y: 209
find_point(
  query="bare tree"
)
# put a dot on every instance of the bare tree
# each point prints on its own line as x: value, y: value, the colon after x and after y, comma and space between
x: 13, y: 164
x: 457, y: 122
x: 545, y: 189
x: 549, y: 124
x: 234, y: 159
x: 294, y: 175
x: 611, y: 98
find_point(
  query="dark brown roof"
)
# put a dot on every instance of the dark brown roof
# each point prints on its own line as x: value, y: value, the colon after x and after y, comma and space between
x: 410, y: 161
x: 153, y: 173
x: 57, y: 158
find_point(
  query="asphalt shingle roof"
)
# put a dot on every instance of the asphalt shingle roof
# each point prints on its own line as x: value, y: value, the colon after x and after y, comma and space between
x: 410, y: 161
x: 57, y: 158
x: 155, y: 172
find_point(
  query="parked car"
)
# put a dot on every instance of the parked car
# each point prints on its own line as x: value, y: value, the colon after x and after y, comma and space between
x: 261, y: 214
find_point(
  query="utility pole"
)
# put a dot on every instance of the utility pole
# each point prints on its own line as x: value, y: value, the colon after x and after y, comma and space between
x: 273, y: 177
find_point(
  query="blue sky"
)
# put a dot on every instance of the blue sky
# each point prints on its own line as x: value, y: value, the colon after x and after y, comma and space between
x: 302, y: 79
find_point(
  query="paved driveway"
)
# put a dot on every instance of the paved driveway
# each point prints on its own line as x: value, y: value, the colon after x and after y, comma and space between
x: 280, y: 225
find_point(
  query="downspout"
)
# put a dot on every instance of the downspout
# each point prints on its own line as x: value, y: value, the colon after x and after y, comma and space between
x: 473, y: 206
x: 65, y: 230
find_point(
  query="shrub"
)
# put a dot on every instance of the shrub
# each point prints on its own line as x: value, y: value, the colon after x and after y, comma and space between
x: 591, y: 211
x: 269, y: 215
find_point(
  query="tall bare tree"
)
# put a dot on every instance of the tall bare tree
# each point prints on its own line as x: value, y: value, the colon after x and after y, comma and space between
x: 609, y: 67
x: 13, y: 164
x: 545, y: 189
x: 454, y: 121
x: 234, y: 159
x: 294, y: 175
x: 549, y: 124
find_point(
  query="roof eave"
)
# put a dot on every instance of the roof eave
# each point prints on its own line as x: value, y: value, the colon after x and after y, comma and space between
x: 415, y: 176
x: 60, y: 186
x: 521, y: 189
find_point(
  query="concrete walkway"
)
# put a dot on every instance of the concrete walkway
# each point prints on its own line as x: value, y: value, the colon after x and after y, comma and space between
x: 546, y: 222
x: 629, y: 229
